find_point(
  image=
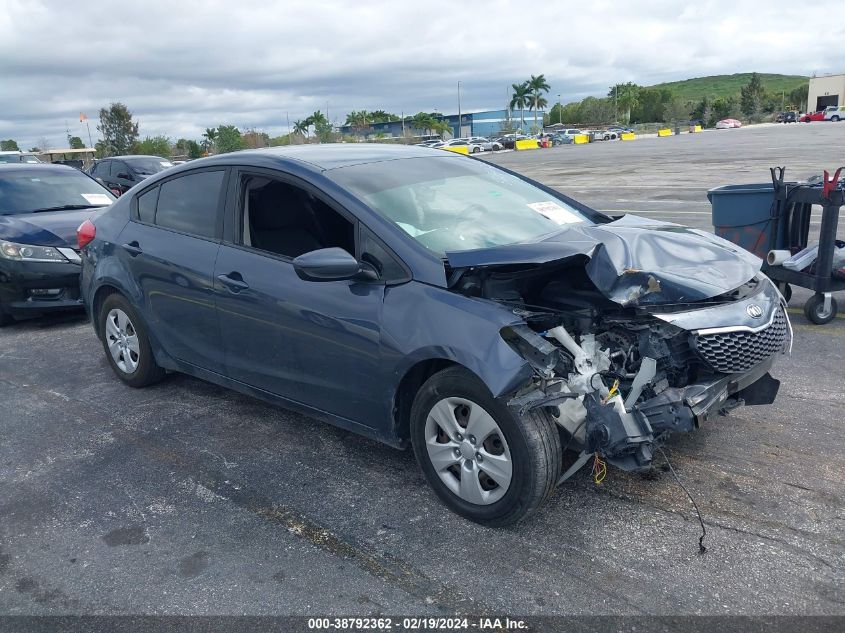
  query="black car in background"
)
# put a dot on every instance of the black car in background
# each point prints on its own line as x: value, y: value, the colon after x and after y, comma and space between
x: 41, y: 206
x: 119, y: 173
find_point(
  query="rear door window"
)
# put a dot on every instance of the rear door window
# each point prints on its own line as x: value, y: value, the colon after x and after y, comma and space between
x: 191, y: 203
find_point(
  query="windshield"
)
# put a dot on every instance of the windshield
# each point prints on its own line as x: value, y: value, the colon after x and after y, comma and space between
x: 19, y: 158
x: 27, y: 191
x: 149, y: 166
x: 451, y: 204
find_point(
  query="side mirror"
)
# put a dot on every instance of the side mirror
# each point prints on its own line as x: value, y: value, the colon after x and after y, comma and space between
x: 330, y: 264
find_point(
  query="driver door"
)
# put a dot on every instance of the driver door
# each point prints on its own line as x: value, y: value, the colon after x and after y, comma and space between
x: 315, y: 343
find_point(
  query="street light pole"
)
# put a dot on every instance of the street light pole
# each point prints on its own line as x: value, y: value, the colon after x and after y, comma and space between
x: 559, y: 112
x: 460, y: 131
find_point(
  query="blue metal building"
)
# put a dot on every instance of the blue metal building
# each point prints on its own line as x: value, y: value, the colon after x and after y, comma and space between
x: 485, y: 123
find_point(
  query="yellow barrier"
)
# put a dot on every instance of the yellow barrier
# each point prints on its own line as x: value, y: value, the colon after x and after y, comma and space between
x: 628, y: 136
x: 458, y: 149
x: 664, y: 132
x: 528, y: 143
x: 580, y: 139
x: 696, y: 128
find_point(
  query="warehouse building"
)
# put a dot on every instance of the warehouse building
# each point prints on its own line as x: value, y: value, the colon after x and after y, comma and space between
x: 828, y: 90
x: 484, y: 123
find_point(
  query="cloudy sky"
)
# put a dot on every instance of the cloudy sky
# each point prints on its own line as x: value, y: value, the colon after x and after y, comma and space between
x: 181, y: 66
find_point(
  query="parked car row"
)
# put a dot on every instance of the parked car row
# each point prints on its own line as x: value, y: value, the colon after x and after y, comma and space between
x: 831, y: 113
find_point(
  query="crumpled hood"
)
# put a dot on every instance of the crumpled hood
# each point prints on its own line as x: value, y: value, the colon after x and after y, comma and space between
x: 50, y: 228
x: 633, y: 260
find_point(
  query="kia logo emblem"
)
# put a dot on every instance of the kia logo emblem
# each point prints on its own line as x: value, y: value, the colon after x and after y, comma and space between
x: 754, y: 311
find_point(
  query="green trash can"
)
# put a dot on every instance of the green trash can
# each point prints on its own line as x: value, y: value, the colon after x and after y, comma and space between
x: 745, y: 214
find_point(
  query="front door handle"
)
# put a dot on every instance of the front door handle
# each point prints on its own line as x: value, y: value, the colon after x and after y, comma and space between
x: 233, y: 281
x: 133, y: 248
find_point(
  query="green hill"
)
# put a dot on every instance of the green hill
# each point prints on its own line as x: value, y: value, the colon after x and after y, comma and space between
x: 727, y: 85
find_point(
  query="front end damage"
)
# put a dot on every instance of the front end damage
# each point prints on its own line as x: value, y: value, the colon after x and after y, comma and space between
x: 621, y: 376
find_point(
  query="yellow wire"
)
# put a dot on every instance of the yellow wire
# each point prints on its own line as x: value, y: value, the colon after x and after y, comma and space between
x: 599, y: 469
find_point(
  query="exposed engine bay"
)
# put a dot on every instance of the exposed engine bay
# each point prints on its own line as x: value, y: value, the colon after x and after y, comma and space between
x: 619, y: 377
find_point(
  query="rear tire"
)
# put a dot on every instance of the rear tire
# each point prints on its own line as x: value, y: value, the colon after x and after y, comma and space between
x: 127, y: 344
x: 520, y: 459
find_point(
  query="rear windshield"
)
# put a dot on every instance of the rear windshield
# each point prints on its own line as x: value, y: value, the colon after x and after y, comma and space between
x: 28, y: 191
x: 149, y: 166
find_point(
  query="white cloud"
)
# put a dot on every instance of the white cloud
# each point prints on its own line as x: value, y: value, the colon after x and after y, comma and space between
x: 183, y: 66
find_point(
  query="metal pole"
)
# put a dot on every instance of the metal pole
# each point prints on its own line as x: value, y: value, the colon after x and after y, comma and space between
x: 87, y: 125
x: 559, y: 112
x: 460, y: 127
x: 287, y: 116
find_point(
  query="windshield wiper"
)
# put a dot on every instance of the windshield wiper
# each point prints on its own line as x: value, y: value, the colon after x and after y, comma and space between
x: 68, y: 207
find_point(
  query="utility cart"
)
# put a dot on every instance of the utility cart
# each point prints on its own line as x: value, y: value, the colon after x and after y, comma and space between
x: 767, y: 217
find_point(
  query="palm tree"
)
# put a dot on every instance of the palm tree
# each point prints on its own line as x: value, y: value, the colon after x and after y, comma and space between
x: 209, y: 136
x: 537, y: 85
x: 627, y: 97
x: 359, y: 121
x: 301, y: 128
x: 519, y: 99
x: 423, y: 121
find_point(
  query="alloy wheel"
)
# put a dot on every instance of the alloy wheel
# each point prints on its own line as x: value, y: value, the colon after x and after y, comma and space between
x: 122, y: 341
x: 468, y: 451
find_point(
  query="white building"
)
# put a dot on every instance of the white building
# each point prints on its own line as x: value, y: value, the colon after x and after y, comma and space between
x: 828, y: 90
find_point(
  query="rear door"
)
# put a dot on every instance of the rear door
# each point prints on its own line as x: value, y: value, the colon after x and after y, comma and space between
x: 170, y: 247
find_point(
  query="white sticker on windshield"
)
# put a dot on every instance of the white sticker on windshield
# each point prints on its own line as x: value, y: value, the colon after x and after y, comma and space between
x: 555, y: 212
x: 97, y: 198
x: 165, y: 163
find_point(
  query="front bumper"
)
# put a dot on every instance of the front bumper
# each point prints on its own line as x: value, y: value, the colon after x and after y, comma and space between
x: 683, y: 409
x: 34, y: 288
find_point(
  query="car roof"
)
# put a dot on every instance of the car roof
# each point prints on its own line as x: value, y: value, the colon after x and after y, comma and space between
x: 129, y: 157
x: 35, y: 168
x: 323, y: 156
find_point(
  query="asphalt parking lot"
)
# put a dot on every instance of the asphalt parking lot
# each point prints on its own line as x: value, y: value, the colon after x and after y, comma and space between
x: 188, y: 499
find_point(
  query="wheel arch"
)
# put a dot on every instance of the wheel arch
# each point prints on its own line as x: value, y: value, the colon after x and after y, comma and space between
x: 407, y: 389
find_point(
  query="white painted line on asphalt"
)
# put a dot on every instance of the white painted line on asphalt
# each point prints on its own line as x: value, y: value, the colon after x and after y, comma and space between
x: 656, y: 211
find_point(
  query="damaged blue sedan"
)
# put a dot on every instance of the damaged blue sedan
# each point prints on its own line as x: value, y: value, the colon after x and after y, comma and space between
x: 436, y: 301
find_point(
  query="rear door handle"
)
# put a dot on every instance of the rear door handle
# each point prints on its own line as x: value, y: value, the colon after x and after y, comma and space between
x: 233, y: 281
x: 133, y: 248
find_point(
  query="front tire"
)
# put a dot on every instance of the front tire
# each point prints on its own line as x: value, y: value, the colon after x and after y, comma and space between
x: 127, y: 344
x: 483, y: 463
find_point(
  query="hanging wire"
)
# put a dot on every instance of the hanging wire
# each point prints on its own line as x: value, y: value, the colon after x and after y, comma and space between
x: 701, y: 548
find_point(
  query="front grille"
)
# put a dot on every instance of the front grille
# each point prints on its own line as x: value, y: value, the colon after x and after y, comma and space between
x: 732, y: 352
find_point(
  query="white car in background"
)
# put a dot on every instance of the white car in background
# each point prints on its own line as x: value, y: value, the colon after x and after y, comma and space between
x: 834, y: 113
x: 472, y: 147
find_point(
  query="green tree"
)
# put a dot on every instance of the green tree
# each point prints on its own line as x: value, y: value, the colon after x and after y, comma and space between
x: 118, y: 129
x: 359, y: 121
x: 423, y: 121
x: 188, y: 148
x: 751, y: 97
x: 9, y: 145
x: 677, y: 110
x: 650, y: 105
x: 154, y: 146
x: 209, y: 140
x: 626, y: 97
x: 322, y: 127
x: 520, y: 98
x: 253, y: 139
x: 798, y: 97
x: 380, y: 116
x: 300, y: 128
x: 537, y: 86
x: 228, y: 139
x: 74, y: 142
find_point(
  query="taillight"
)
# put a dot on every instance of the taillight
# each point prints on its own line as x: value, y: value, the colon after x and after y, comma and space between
x: 85, y: 233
